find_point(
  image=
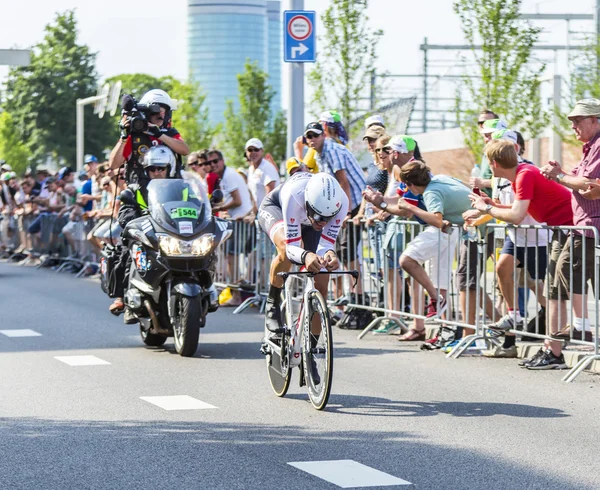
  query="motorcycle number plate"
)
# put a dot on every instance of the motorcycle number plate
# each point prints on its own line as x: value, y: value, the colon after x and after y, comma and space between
x: 186, y: 227
x: 184, y: 213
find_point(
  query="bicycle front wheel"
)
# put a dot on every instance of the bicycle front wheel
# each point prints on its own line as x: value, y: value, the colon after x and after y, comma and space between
x: 317, y: 351
x: 278, y: 368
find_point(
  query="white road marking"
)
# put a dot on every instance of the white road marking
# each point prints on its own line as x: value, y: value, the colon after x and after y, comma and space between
x: 346, y: 473
x: 82, y: 360
x: 24, y: 332
x: 177, y: 402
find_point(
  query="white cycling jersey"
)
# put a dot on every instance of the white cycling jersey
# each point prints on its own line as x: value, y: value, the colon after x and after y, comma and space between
x: 293, y: 207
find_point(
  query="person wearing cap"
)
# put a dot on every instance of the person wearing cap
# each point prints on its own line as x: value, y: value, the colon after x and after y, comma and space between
x: 521, y: 247
x: 486, y: 128
x: 337, y: 160
x: 262, y: 175
x: 547, y: 202
x: 331, y: 123
x: 582, y: 181
x: 293, y: 165
x: 374, y: 120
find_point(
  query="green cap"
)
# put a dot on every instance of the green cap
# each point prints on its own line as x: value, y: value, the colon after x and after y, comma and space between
x: 402, y: 143
x: 492, y: 125
x: 505, y: 134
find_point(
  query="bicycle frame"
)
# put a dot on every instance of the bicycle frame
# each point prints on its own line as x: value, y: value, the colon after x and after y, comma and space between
x: 291, y: 357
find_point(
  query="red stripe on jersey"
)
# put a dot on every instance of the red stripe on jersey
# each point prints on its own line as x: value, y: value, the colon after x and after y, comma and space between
x: 291, y: 240
x: 328, y: 239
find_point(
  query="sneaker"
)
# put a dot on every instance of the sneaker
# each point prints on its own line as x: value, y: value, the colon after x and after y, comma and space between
x: 272, y: 316
x: 444, y: 338
x: 436, y: 308
x: 507, y: 322
x: 387, y: 328
x: 501, y: 352
x: 532, y: 359
x: 450, y: 346
x: 548, y: 361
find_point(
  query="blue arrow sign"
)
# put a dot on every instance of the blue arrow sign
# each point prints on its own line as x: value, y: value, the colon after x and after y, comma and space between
x: 299, y: 36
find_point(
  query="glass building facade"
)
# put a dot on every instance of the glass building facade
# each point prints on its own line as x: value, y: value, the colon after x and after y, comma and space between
x: 222, y: 35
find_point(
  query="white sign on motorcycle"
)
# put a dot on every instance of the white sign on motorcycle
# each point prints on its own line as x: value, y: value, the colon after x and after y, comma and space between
x: 186, y: 227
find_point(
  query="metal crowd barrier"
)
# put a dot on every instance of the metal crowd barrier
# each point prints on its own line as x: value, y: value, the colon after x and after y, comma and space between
x: 383, y: 288
x: 243, y: 264
x: 49, y: 245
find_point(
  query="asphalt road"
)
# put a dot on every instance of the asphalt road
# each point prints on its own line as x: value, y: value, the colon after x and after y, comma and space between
x: 413, y: 416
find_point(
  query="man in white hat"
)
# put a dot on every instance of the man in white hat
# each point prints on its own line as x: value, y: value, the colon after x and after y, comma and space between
x: 574, y: 267
x: 262, y: 174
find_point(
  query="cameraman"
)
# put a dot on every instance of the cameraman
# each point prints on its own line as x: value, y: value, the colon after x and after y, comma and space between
x: 156, y: 107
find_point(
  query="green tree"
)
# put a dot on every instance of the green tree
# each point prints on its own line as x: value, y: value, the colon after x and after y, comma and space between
x: 346, y: 60
x: 507, y: 82
x: 12, y: 148
x: 41, y: 97
x: 255, y: 118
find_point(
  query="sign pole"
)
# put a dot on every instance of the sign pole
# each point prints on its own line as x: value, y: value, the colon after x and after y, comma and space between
x: 299, y: 48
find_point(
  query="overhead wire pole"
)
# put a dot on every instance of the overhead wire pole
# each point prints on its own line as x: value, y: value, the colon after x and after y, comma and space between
x: 424, y: 48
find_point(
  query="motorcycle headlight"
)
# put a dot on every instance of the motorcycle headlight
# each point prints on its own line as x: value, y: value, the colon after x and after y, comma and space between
x: 171, y: 246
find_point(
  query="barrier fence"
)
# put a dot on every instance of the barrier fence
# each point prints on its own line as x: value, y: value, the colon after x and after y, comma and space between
x: 475, y: 272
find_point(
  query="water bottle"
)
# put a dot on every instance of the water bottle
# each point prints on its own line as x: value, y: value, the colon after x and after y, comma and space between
x: 472, y: 233
x: 475, y: 173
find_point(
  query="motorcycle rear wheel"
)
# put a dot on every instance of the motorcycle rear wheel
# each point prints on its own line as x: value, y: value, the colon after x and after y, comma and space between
x: 186, y: 327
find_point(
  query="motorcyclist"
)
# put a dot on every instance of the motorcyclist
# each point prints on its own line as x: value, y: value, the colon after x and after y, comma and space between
x: 131, y: 148
x: 157, y: 164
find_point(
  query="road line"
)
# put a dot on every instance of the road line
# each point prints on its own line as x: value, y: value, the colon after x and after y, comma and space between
x: 23, y: 332
x: 82, y: 360
x: 177, y: 402
x: 346, y: 473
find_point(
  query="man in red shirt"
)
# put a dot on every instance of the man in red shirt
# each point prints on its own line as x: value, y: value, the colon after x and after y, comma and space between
x: 547, y: 202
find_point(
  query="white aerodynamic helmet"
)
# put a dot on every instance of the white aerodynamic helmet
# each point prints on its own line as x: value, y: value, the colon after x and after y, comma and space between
x: 159, y: 156
x: 157, y: 96
x: 323, y: 196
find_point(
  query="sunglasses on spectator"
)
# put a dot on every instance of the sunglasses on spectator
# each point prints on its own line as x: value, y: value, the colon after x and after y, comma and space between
x: 253, y: 150
x: 205, y: 164
x: 193, y: 164
x: 157, y: 169
x: 213, y: 161
x: 385, y: 149
x: 310, y: 136
x: 106, y: 185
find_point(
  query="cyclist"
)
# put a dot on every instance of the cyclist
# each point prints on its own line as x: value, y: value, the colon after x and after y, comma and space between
x: 302, y: 217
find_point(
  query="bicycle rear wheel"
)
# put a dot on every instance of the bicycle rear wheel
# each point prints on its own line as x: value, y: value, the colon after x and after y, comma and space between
x: 278, y: 369
x: 318, y: 352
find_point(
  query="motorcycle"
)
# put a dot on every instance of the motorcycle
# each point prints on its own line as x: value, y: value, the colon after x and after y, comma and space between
x: 173, y: 263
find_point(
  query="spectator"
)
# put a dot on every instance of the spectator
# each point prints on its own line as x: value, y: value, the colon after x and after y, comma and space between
x: 446, y: 199
x: 586, y: 212
x: 335, y: 159
x: 262, y: 175
x: 236, y: 201
x: 107, y: 228
x: 293, y: 165
x: 374, y: 120
x: 484, y: 181
x: 547, y: 202
x: 521, y: 247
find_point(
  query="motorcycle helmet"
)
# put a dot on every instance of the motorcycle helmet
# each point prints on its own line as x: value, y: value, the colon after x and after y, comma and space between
x: 323, y: 196
x: 157, y: 96
x: 159, y: 156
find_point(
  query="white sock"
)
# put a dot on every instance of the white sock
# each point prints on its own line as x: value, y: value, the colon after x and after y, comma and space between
x: 515, y: 315
x: 582, y: 323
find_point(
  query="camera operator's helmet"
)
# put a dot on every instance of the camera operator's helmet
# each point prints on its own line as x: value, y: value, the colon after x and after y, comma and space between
x: 323, y: 195
x: 157, y: 96
x: 159, y: 156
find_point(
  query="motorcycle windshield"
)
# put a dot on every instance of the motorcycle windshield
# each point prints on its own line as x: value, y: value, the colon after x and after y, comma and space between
x: 181, y: 206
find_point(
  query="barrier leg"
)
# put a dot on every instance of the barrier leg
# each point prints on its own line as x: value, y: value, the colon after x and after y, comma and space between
x: 579, y: 367
x: 379, y: 320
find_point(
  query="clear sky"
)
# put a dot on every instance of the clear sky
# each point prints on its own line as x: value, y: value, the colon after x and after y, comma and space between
x: 116, y: 29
